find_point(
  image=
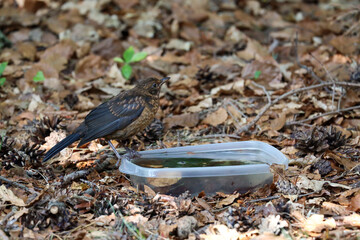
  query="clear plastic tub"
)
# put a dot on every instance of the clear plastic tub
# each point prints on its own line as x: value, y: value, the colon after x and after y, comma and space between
x: 254, y: 171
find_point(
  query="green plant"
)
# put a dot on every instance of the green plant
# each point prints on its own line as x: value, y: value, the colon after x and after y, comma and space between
x: 2, y: 69
x: 129, y: 56
x: 257, y: 74
x: 39, y: 77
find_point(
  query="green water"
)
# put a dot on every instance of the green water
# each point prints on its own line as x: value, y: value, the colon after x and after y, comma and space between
x: 189, y: 162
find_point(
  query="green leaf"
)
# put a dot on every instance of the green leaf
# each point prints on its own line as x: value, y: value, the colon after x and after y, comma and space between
x: 126, y: 71
x: 2, y: 81
x: 257, y: 74
x: 138, y: 57
x: 39, y: 77
x: 118, y: 59
x: 2, y: 67
x: 128, y: 54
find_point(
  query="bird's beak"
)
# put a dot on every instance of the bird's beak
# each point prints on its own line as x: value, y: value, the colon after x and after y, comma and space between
x: 163, y: 80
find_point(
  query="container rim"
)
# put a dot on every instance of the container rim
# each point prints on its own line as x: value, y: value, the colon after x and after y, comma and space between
x: 275, y: 156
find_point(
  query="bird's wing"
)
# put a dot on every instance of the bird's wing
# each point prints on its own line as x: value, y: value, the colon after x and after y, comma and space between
x: 111, y: 116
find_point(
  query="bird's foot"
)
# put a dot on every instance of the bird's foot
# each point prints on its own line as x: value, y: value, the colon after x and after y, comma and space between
x: 131, y: 154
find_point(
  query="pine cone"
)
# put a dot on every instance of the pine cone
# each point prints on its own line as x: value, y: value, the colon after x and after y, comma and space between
x: 335, y: 138
x: 318, y: 139
x: 324, y: 167
x: 287, y: 187
x: 71, y: 100
x: 108, y: 205
x: 27, y: 154
x: 205, y: 74
x: 313, y: 140
x: 45, y: 126
x: 48, y: 213
x: 154, y: 131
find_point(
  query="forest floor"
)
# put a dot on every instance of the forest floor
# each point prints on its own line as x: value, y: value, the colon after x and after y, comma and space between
x: 284, y: 73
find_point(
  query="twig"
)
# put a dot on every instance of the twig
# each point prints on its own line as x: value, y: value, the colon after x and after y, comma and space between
x: 229, y: 102
x: 276, y: 197
x: 16, y: 184
x: 264, y: 90
x: 14, y: 209
x: 322, y: 115
x: 219, y: 135
x: 331, y: 78
x: 285, y: 95
x: 75, y: 175
x: 308, y: 69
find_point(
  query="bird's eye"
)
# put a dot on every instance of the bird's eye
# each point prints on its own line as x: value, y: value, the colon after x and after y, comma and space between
x: 154, y: 85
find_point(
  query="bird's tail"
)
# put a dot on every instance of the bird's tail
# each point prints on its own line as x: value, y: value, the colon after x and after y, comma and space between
x: 61, y: 145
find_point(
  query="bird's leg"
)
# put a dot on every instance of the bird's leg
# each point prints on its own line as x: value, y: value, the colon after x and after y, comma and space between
x: 116, y: 153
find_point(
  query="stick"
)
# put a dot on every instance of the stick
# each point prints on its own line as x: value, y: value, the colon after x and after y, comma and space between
x: 16, y: 184
x: 287, y: 94
x: 322, y: 115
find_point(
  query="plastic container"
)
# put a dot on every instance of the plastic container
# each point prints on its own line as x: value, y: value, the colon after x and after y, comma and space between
x: 210, y: 179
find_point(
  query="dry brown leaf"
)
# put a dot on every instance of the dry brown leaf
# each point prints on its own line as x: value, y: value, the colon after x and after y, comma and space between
x: 335, y: 208
x: 345, y: 45
x: 270, y: 76
x: 50, y: 73
x: 59, y: 55
x: 105, y: 220
x: 217, y: 117
x: 183, y: 120
x: 137, y: 219
x: 355, y: 203
x: 6, y: 195
x: 27, y: 50
x: 149, y: 191
x: 166, y: 229
x: 108, y: 48
x: 352, y: 220
x: 227, y: 201
x: 90, y: 67
x: 179, y: 44
x: 203, y: 203
x: 214, y: 232
x: 279, y: 122
x: 346, y: 162
x: 272, y: 224
x: 317, y: 223
x: 236, y: 87
x: 204, y: 217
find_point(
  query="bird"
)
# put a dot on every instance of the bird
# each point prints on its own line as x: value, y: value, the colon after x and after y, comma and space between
x: 119, y: 118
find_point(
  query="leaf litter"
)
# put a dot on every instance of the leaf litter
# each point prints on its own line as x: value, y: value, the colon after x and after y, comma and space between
x: 283, y: 73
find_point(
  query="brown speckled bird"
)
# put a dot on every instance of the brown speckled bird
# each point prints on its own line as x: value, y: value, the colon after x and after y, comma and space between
x: 119, y: 118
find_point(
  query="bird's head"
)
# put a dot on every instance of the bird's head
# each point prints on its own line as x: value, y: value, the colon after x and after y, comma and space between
x: 151, y: 86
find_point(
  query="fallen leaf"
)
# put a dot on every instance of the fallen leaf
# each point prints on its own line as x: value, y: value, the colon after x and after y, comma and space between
x: 105, y: 220
x: 183, y: 120
x: 227, y: 201
x: 278, y: 123
x: 179, y: 44
x: 6, y: 195
x: 217, y: 117
x: 137, y: 219
x: 335, y: 208
x: 270, y: 77
x: 220, y: 232
x: 317, y: 223
x: 272, y: 224
x: 352, y: 220
x: 355, y: 203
